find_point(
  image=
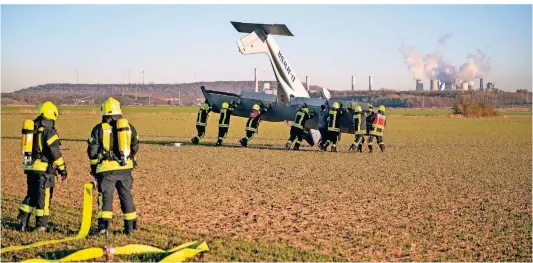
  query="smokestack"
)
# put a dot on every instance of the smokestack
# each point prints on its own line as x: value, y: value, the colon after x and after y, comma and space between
x: 369, y: 82
x: 307, y: 83
x: 353, y: 83
x: 434, y: 85
x: 481, y: 84
x: 419, y: 84
x: 256, y: 81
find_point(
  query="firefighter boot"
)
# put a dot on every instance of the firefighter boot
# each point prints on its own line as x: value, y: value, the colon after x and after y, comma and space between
x: 195, y: 140
x: 382, y: 147
x: 360, y: 148
x: 129, y: 226
x: 103, y: 226
x: 333, y: 148
x: 370, y: 148
x: 24, y: 220
x: 352, y: 148
x: 219, y: 142
x: 296, y: 147
x: 244, y: 142
x: 325, y: 146
x: 287, y: 146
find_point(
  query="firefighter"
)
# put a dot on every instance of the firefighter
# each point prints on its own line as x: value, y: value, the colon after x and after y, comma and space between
x: 42, y: 161
x: 201, y: 121
x: 223, y: 122
x: 369, y: 119
x: 297, y: 127
x: 112, y: 146
x: 334, y: 117
x: 323, y: 123
x: 252, y: 124
x: 359, y: 133
x: 378, y: 126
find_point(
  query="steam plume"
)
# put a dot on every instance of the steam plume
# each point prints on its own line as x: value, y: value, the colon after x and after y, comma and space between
x: 433, y: 66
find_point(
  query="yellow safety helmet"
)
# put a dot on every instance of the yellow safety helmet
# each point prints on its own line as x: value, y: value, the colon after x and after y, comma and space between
x: 48, y: 110
x: 111, y: 106
x: 255, y: 107
x: 305, y: 109
x: 336, y: 105
x: 381, y: 108
x: 358, y: 108
x: 204, y: 106
x: 369, y: 106
x: 225, y: 105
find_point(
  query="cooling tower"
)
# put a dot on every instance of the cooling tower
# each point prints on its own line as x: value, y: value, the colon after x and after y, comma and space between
x: 434, y: 85
x: 307, y: 83
x: 353, y: 83
x: 419, y: 84
x: 369, y: 82
x: 481, y: 84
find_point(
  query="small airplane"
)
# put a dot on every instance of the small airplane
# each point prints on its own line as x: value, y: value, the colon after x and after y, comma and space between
x: 291, y: 93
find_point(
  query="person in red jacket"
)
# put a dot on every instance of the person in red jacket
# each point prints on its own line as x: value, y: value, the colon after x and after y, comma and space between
x: 378, y: 126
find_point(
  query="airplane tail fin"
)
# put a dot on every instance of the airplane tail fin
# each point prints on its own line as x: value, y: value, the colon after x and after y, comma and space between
x: 270, y: 29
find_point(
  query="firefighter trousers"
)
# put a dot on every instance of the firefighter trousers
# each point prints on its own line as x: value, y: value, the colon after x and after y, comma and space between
x: 40, y: 187
x: 323, y: 135
x: 379, y: 140
x: 295, y: 133
x: 359, y: 140
x: 201, y: 133
x: 122, y: 180
x: 222, y: 133
x: 249, y: 136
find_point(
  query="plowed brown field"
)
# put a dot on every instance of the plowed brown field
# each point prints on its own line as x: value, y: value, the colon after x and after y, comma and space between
x: 446, y: 189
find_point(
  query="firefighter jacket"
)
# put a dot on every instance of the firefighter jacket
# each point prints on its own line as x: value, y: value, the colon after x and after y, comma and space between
x: 379, y: 124
x: 357, y: 121
x: 253, y: 121
x: 301, y: 117
x: 369, y: 120
x: 225, y: 116
x: 334, y: 119
x: 45, y: 154
x: 103, y: 147
x: 203, y: 115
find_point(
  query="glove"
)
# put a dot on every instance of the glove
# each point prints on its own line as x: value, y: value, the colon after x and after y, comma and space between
x: 63, y: 174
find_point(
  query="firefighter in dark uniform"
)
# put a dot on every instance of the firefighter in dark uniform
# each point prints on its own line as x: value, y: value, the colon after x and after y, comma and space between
x: 335, y: 115
x: 323, y: 123
x: 201, y: 121
x: 42, y: 160
x: 369, y: 119
x: 223, y: 122
x: 378, y: 126
x: 359, y: 133
x: 112, y: 147
x: 252, y: 124
x: 297, y: 127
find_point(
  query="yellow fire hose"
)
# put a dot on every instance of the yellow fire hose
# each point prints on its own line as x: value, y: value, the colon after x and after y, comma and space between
x: 85, y: 223
x: 179, y: 253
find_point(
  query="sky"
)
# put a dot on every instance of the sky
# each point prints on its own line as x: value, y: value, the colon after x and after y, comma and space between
x: 188, y: 43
